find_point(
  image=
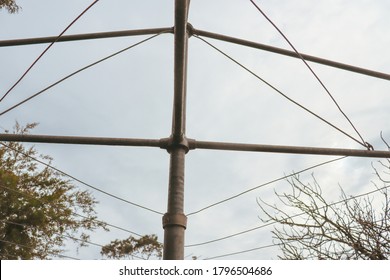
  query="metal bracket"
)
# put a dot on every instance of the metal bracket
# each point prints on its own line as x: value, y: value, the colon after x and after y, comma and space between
x: 174, y: 220
x: 181, y: 141
x: 190, y: 30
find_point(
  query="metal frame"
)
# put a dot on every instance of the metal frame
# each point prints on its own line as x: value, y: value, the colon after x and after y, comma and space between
x: 191, y: 144
x: 178, y: 145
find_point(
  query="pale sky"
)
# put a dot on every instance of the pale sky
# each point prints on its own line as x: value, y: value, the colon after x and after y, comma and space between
x: 131, y: 96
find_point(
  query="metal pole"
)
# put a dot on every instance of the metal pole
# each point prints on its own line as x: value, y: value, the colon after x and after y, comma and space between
x: 287, y: 149
x: 88, y: 36
x: 174, y: 221
x: 307, y: 57
x: 82, y: 140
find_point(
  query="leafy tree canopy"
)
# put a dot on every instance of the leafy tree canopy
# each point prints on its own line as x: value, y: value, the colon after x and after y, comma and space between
x: 144, y: 247
x: 39, y: 209
x: 10, y: 6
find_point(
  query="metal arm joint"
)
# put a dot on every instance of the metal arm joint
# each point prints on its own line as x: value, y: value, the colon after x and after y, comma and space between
x: 177, y: 141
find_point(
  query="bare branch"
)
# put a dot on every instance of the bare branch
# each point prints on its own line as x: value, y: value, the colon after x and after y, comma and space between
x: 354, y: 229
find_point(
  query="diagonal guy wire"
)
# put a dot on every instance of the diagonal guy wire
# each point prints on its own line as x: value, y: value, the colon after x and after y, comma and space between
x: 265, y: 184
x: 78, y: 71
x: 51, y: 44
x: 365, y: 144
x: 286, y: 218
x: 280, y: 92
x: 86, y: 184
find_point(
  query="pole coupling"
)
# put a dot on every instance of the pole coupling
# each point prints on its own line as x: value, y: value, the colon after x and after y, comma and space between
x: 174, y: 220
x: 178, y: 141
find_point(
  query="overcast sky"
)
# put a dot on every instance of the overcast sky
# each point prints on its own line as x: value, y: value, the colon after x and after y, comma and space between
x: 131, y: 96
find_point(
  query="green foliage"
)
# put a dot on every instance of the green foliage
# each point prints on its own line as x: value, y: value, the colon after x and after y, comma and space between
x: 38, y: 206
x: 144, y: 247
x: 10, y: 6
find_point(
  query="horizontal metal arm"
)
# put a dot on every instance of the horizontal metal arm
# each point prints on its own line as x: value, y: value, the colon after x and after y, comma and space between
x: 84, y: 140
x: 113, y: 34
x: 287, y: 149
x: 88, y: 36
x: 165, y: 143
x: 268, y: 48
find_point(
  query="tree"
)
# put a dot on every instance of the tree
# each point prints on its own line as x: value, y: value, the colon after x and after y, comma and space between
x: 145, y: 247
x: 10, y: 6
x: 38, y: 205
x: 350, y: 229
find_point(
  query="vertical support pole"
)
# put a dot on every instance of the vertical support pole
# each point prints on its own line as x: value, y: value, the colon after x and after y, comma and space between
x: 174, y: 221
